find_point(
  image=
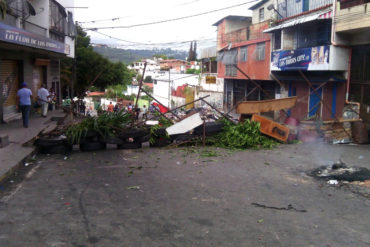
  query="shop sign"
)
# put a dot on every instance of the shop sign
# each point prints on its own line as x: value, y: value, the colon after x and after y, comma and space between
x: 22, y: 37
x: 312, y: 58
x: 210, y: 79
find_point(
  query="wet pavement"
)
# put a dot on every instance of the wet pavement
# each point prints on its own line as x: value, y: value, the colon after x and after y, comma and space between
x: 187, y: 197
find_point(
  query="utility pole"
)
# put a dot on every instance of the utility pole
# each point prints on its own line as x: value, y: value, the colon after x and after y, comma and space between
x: 169, y: 88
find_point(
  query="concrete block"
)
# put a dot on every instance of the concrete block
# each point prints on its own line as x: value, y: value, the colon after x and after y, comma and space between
x: 4, y: 140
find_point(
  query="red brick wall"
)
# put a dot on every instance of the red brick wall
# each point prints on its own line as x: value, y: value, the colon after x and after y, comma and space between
x: 258, y: 70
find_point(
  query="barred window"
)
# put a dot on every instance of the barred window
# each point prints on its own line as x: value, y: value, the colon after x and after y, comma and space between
x: 261, y: 14
x: 260, y: 51
x: 230, y: 70
x: 243, y: 56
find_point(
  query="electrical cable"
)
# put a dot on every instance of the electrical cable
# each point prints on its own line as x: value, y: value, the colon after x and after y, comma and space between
x: 174, y: 19
x: 154, y: 44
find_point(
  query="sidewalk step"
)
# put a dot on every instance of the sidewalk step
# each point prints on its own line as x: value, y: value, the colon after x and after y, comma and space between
x: 12, y: 117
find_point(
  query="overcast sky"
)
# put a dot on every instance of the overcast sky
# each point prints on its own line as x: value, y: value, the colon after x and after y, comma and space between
x: 142, y: 11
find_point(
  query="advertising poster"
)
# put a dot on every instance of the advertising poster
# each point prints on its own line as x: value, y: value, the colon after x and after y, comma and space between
x: 312, y: 58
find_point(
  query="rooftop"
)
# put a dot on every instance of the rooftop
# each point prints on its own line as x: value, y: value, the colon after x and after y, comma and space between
x: 233, y: 17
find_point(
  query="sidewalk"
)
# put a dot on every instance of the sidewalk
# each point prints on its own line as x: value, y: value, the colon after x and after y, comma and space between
x: 14, y: 153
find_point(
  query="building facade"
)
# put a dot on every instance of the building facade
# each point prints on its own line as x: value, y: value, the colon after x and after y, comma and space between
x: 351, y: 28
x: 209, y: 83
x: 244, y: 55
x: 34, y: 36
x: 306, y: 60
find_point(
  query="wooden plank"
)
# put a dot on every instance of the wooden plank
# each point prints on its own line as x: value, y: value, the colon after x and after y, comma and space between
x: 185, y: 125
x: 250, y: 107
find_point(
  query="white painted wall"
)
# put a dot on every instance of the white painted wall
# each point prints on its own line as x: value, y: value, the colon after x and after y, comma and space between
x: 42, y: 13
x: 161, y: 87
x: 267, y: 13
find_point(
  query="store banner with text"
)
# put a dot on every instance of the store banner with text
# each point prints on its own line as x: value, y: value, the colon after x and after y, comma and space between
x: 22, y: 37
x: 312, y: 58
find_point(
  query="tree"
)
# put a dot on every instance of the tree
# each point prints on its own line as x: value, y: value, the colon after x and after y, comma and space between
x: 192, y: 51
x: 90, y: 64
x: 163, y: 56
x: 3, y: 8
x: 195, y: 51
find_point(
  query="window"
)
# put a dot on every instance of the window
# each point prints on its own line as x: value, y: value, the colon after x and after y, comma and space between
x: 261, y: 14
x: 243, y: 56
x: 277, y: 40
x: 248, y: 33
x: 305, y: 5
x: 57, y: 21
x: 260, y: 51
x: 230, y: 70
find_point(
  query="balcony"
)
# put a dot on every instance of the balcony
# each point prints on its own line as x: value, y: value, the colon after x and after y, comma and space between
x: 317, y: 58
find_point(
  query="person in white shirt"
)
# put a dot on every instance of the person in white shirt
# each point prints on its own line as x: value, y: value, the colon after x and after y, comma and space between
x: 43, y: 98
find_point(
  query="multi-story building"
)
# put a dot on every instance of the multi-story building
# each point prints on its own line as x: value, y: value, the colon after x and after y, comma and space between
x: 351, y: 28
x: 209, y: 83
x: 242, y: 43
x: 305, y: 59
x: 175, y: 65
x: 34, y: 36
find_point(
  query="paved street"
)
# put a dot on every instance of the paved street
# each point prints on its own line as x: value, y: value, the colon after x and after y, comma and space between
x: 187, y: 197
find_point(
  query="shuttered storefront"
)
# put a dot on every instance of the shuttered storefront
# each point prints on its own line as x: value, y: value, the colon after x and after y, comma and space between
x: 10, y: 84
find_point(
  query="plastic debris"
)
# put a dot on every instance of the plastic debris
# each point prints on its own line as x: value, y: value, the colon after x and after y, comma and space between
x: 178, y: 163
x: 133, y: 188
x: 27, y: 164
x: 333, y: 182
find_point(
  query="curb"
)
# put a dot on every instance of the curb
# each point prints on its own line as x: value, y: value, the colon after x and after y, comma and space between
x: 14, y: 169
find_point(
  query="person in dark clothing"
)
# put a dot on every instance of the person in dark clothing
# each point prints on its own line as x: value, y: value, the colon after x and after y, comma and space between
x: 137, y: 113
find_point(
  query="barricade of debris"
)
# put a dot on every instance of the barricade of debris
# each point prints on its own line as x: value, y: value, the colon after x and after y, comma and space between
x: 198, y: 126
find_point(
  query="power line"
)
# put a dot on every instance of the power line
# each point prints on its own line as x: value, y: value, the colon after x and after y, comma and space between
x: 174, y: 19
x: 154, y: 44
x: 122, y: 17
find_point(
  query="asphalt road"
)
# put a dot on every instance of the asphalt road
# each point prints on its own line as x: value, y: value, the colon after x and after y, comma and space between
x: 187, y: 197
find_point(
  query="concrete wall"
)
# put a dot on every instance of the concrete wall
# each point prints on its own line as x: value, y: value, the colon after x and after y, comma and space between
x: 42, y: 14
x: 353, y: 18
x: 233, y: 25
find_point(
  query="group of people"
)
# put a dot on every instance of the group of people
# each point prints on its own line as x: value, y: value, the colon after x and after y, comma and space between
x: 130, y: 109
x: 24, y: 101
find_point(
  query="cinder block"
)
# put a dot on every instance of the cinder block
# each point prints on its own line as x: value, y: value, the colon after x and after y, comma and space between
x: 4, y: 140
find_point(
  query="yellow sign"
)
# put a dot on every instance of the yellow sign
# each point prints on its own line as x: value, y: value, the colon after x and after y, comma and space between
x: 211, y: 79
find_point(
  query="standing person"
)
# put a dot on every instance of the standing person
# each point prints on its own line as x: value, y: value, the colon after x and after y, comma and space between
x: 129, y: 107
x: 145, y: 112
x: 53, y: 99
x: 24, y: 101
x: 110, y: 107
x: 137, y: 112
x: 116, y: 108
x: 43, y: 97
